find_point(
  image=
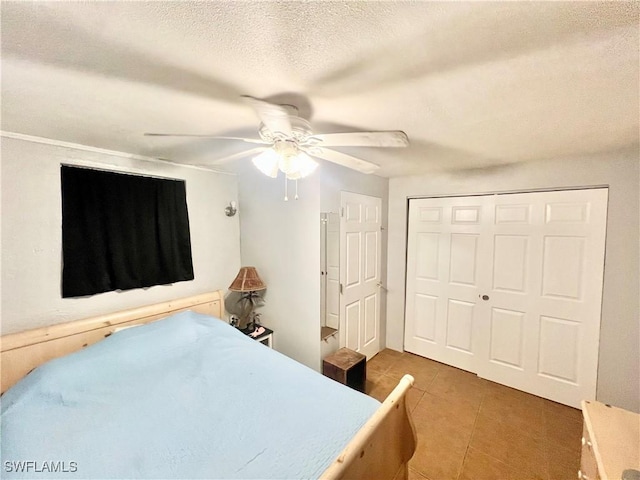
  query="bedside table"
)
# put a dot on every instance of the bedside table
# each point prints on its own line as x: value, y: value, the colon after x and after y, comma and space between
x: 266, y: 338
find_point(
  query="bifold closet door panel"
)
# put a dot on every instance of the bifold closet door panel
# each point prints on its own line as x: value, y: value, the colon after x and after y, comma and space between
x: 447, y: 255
x: 546, y: 293
x: 510, y: 287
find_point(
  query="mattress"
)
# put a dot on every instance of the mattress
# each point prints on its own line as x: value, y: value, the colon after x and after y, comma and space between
x: 185, y: 397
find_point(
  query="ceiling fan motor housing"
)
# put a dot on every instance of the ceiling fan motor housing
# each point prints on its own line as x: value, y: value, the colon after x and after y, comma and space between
x: 300, y: 131
x: 286, y: 148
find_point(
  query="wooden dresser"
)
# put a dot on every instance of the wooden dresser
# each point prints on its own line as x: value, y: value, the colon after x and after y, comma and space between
x: 610, y: 442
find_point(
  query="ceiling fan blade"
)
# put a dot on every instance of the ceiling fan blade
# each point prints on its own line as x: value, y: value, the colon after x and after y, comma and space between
x: 213, y: 137
x: 393, y: 138
x: 342, y: 159
x: 237, y: 156
x: 275, y: 117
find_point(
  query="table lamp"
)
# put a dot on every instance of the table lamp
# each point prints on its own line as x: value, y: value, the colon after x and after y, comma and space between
x: 248, y: 283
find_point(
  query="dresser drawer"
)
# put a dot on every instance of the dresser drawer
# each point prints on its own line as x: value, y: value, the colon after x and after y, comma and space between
x: 610, y: 441
x: 588, y: 465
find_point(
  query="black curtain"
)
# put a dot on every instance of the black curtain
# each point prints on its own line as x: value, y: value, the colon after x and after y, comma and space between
x: 122, y: 231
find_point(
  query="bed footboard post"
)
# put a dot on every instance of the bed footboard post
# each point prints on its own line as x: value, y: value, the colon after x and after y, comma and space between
x: 383, y: 446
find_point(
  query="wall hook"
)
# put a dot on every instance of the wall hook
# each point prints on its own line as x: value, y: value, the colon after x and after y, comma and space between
x: 231, y: 209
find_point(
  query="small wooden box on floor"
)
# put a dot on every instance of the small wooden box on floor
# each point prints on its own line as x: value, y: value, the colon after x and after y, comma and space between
x: 347, y: 367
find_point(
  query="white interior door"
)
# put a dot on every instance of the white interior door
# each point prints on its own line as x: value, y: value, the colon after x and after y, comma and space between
x: 534, y: 262
x: 360, y: 261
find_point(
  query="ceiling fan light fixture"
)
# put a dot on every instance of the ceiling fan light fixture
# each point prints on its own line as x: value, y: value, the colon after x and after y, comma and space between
x: 294, y: 167
x: 267, y: 162
x: 297, y: 166
x: 305, y: 165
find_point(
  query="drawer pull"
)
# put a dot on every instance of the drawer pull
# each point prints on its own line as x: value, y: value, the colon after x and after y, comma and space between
x: 586, y: 442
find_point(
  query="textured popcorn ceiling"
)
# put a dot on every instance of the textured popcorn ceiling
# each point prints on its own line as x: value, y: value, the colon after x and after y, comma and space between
x: 473, y: 84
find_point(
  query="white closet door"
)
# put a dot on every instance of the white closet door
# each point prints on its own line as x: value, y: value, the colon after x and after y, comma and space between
x: 545, y: 293
x: 360, y: 261
x: 447, y: 253
x: 515, y: 296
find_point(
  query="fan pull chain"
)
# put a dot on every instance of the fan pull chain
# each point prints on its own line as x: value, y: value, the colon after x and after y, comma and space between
x: 286, y: 197
x: 296, y: 197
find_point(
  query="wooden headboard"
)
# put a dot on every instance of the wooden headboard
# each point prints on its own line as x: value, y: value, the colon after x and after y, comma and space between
x: 23, y: 351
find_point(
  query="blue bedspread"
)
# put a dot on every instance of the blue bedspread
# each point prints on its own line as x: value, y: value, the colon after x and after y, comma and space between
x: 184, y: 397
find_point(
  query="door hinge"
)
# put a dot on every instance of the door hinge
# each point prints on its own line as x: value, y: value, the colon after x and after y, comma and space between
x: 340, y: 289
x: 342, y: 211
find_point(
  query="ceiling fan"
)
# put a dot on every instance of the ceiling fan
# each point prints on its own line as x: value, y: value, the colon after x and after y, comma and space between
x: 287, y: 143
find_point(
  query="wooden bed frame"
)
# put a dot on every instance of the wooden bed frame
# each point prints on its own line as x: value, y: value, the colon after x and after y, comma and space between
x: 381, y: 449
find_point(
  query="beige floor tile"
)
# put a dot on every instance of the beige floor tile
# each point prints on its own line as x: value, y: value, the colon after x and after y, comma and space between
x: 392, y: 353
x: 373, y: 378
x: 453, y: 383
x: 563, y: 463
x: 461, y: 376
x: 455, y: 435
x: 443, y: 431
x: 381, y: 387
x: 408, y: 356
x: 436, y: 457
x: 564, y: 410
x: 413, y: 397
x: 415, y: 475
x: 563, y: 431
x: 561, y: 471
x: 422, y: 370
x: 509, y: 445
x: 454, y: 410
x: 522, y: 415
x: 496, y: 390
x: 480, y: 466
x: 379, y: 364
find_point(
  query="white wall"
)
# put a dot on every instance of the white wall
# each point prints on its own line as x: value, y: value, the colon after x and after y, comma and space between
x: 619, y: 360
x: 282, y: 240
x: 31, y: 234
x: 335, y: 179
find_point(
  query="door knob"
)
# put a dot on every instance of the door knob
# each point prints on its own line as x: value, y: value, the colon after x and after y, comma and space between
x: 484, y: 297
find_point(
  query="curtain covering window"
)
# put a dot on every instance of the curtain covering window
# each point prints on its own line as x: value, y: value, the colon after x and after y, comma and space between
x: 122, y: 231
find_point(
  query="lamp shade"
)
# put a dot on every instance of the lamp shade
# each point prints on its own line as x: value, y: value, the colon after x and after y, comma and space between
x: 247, y: 280
x: 267, y: 163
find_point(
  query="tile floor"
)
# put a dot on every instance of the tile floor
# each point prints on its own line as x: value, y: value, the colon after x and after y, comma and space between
x: 472, y: 429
